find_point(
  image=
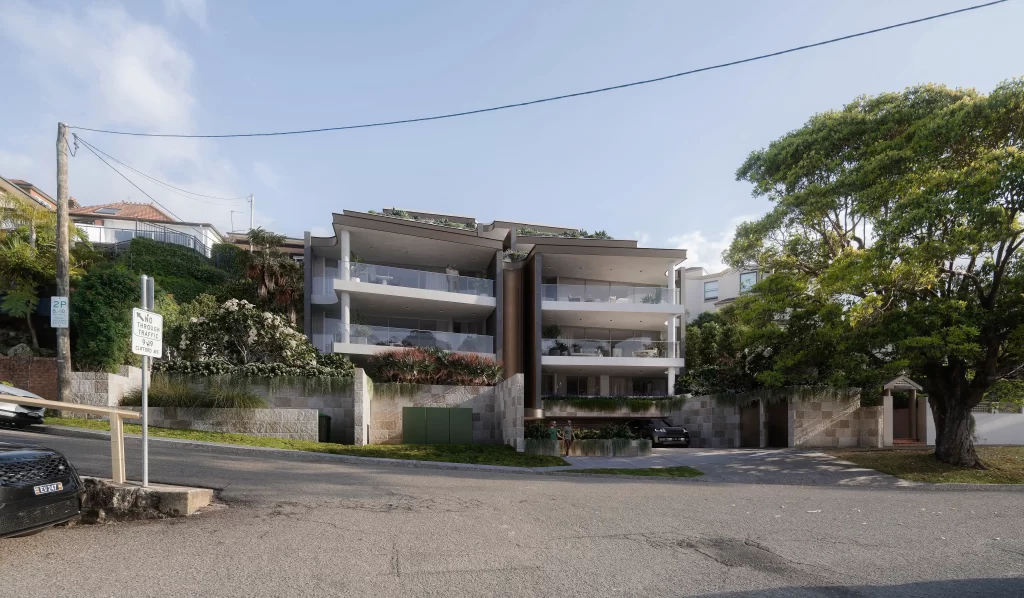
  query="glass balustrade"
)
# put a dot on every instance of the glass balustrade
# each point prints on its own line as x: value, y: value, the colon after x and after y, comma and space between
x: 609, y: 293
x: 421, y: 279
x: 634, y: 347
x: 386, y: 336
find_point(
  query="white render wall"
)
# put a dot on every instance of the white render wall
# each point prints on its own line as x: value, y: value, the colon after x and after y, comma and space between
x: 728, y: 288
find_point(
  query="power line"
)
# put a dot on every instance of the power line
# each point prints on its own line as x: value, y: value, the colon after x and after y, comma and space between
x: 172, y: 188
x: 555, y: 98
x: 132, y: 183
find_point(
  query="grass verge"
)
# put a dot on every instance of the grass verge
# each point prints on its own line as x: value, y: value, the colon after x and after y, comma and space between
x: 480, y: 454
x: 1005, y: 465
x: 681, y: 471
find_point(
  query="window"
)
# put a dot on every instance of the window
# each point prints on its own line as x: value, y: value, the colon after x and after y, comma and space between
x: 109, y: 211
x: 711, y: 290
x: 577, y: 386
x: 747, y: 281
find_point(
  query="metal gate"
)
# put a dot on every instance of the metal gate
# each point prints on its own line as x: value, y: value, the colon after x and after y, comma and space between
x: 437, y: 425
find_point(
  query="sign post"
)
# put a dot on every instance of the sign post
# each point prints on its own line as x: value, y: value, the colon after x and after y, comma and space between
x: 147, y: 341
x: 59, y: 312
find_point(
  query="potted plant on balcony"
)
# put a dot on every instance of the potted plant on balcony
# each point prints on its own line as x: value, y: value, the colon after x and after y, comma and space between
x: 560, y: 348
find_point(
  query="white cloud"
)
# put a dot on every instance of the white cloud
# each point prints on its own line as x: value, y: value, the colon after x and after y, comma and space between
x: 642, y: 238
x: 193, y: 9
x: 319, y: 231
x: 705, y: 251
x: 99, y: 66
x: 266, y: 175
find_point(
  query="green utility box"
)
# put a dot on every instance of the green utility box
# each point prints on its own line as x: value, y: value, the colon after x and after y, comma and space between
x: 437, y: 425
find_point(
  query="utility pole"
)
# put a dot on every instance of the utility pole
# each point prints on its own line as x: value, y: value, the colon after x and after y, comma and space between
x: 252, y: 200
x: 63, y: 284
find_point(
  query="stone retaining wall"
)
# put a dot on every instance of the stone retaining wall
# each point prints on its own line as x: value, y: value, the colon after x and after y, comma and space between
x: 617, y: 447
x: 711, y: 423
x: 829, y: 422
x: 386, y: 410
x: 509, y: 401
x: 101, y: 389
x: 292, y: 424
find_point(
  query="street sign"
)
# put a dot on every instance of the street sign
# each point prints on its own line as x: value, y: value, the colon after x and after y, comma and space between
x: 147, y: 333
x: 59, y: 312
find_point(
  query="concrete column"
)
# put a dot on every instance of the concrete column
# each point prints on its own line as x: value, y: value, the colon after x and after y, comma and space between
x: 346, y: 316
x: 605, y: 386
x: 346, y: 255
x: 912, y: 413
x: 923, y: 417
x: 671, y: 381
x: 887, y: 418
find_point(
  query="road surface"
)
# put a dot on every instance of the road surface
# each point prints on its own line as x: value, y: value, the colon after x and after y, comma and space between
x: 295, y: 528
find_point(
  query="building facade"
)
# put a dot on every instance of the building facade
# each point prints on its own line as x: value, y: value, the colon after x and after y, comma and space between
x: 706, y: 291
x: 577, y: 315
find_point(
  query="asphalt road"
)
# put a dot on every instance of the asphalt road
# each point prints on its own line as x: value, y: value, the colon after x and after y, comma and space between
x: 295, y: 528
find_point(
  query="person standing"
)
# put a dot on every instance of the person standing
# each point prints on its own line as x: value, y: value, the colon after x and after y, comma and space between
x: 567, y: 436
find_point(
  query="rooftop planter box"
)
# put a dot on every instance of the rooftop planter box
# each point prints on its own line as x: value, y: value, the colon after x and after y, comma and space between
x: 616, y: 447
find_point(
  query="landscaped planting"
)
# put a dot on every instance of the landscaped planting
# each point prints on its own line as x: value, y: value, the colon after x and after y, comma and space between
x: 167, y: 393
x: 612, y: 404
x: 434, y: 366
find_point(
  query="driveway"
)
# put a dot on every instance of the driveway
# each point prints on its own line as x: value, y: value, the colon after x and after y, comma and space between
x: 301, y: 528
x: 755, y: 466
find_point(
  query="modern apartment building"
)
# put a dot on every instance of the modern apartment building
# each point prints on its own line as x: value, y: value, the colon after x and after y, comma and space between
x: 577, y: 315
x: 710, y: 291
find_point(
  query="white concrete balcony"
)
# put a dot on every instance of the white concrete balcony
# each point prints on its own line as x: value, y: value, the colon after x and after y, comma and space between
x: 612, y: 355
x: 610, y: 298
x: 390, y: 287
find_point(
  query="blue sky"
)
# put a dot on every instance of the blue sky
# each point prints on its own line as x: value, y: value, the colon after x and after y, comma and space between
x: 656, y: 162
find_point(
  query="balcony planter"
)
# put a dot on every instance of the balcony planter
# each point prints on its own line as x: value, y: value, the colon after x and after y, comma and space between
x: 617, y: 447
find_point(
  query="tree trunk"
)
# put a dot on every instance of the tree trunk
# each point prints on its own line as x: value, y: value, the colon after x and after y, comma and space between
x: 956, y: 443
x: 32, y: 331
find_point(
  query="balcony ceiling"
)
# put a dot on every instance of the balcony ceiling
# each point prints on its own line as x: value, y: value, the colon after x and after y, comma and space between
x: 402, y: 307
x: 624, y: 320
x: 388, y: 248
x: 615, y: 268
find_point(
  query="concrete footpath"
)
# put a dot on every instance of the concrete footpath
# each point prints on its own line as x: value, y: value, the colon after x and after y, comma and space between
x: 725, y: 466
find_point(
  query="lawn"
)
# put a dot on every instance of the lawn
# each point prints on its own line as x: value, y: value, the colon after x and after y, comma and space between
x: 681, y: 471
x: 1006, y: 465
x: 481, y: 454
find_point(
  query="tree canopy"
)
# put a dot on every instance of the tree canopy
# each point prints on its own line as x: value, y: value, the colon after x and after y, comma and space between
x: 896, y: 232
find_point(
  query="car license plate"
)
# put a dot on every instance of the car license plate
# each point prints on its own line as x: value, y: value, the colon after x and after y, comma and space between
x: 48, y: 488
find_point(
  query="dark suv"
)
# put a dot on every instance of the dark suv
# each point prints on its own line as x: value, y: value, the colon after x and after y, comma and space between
x: 660, y: 432
x: 38, y: 488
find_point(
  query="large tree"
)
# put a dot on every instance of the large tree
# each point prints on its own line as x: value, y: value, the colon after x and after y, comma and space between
x: 278, y: 278
x: 904, y: 211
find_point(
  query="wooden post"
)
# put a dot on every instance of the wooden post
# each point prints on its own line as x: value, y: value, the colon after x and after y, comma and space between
x: 912, y: 414
x: 63, y: 284
x: 116, y: 449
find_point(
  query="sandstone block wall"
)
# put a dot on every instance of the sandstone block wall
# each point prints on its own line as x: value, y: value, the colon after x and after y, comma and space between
x: 509, y: 402
x: 711, y: 423
x: 834, y: 423
x: 386, y: 411
x: 293, y: 424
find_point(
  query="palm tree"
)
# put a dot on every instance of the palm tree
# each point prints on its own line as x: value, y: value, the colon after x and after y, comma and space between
x: 279, y: 280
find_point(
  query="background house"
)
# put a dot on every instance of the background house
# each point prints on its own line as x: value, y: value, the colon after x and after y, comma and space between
x: 710, y: 291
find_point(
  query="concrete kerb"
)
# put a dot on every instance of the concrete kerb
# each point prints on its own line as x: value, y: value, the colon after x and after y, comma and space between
x: 561, y: 471
x: 104, y: 500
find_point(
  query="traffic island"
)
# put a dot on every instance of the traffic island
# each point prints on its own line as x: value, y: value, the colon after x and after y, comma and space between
x: 104, y: 500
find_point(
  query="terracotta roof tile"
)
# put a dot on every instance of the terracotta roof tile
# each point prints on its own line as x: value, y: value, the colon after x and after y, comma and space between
x: 125, y: 209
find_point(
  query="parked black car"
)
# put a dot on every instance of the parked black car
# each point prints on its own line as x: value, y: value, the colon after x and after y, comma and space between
x: 660, y: 432
x: 38, y: 488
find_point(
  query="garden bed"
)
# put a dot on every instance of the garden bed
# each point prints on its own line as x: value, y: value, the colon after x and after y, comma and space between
x: 612, y: 447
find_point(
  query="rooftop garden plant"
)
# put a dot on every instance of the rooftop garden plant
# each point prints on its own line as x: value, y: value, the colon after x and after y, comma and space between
x: 404, y: 215
x: 569, y: 233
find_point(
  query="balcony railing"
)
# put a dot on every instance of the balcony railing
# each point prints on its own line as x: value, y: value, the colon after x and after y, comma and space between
x: 121, y: 237
x: 421, y: 279
x: 386, y: 336
x: 609, y: 293
x: 634, y: 347
x: 324, y: 285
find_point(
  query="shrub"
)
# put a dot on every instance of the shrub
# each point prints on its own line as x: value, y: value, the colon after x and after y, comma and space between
x: 180, y: 270
x: 434, y: 366
x: 608, y: 432
x: 343, y: 369
x: 101, y: 315
x: 536, y: 431
x: 239, y: 333
x: 166, y: 393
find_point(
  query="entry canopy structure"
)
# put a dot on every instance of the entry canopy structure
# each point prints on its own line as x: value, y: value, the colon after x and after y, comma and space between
x: 901, y: 382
